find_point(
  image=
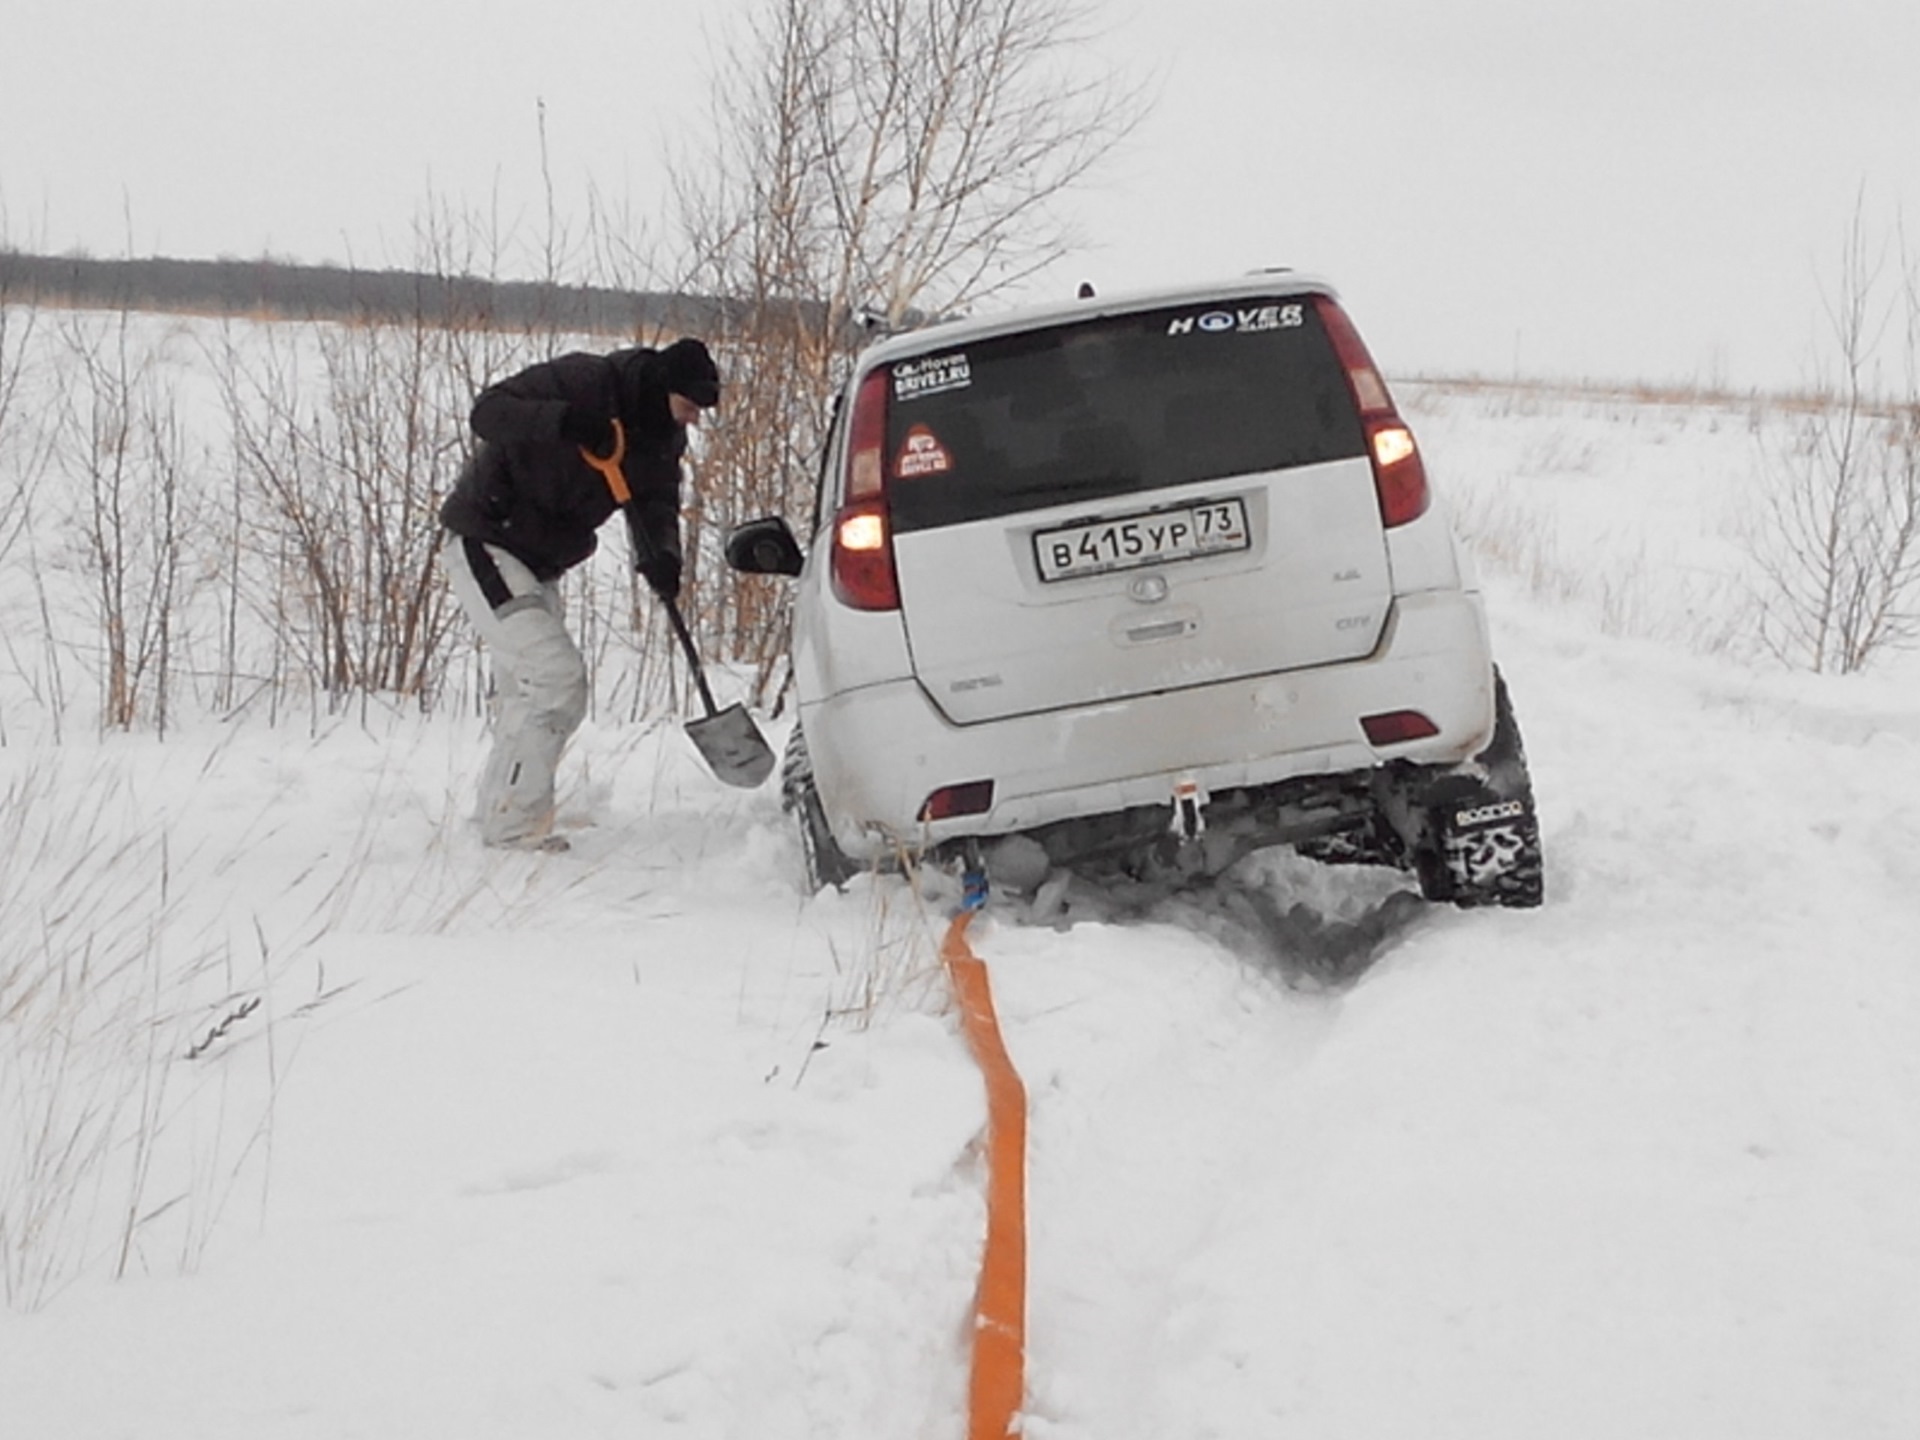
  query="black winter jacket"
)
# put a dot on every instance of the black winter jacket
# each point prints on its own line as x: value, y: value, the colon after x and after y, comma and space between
x: 533, y: 494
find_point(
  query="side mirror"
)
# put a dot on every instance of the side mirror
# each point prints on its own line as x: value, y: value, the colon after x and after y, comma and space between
x: 764, y: 547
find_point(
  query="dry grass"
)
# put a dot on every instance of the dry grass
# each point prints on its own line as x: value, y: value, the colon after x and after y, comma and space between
x: 896, y: 963
x: 1524, y: 396
x: 148, y: 1017
x: 99, y: 987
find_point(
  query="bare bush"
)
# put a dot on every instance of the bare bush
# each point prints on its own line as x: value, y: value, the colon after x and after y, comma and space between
x: 345, y: 437
x: 26, y: 448
x: 396, y: 410
x: 1838, y: 547
x: 21, y: 458
x: 320, y: 485
x: 123, y: 448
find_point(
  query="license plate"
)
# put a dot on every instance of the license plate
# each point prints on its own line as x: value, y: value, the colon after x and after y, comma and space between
x: 1100, y: 546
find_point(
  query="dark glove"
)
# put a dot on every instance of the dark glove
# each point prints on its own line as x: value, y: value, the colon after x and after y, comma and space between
x: 587, y: 427
x: 662, y: 574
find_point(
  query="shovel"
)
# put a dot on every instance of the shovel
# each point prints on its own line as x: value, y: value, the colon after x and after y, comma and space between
x: 734, y: 748
x: 728, y: 740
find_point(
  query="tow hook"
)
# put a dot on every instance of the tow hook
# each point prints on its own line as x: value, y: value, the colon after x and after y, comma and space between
x: 1189, y: 821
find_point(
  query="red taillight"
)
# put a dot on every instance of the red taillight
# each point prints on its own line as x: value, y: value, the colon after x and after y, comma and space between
x: 973, y: 798
x: 862, y: 569
x: 1399, y: 475
x: 863, y: 574
x: 1396, y: 727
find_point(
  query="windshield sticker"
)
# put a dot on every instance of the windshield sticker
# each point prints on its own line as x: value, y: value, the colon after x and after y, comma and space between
x: 1240, y: 322
x: 930, y: 375
x: 922, y: 454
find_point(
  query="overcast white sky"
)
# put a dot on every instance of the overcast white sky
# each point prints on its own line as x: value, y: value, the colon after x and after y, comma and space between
x: 1637, y: 189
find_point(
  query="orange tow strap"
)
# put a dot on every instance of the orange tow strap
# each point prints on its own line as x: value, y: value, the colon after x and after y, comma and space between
x: 998, y: 1387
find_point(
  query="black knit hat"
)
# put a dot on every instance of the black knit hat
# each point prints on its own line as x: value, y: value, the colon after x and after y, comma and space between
x: 689, y: 370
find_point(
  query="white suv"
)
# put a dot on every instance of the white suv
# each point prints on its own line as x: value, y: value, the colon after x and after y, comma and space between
x: 1147, y: 582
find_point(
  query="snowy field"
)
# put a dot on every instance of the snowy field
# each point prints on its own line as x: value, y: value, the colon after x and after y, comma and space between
x: 641, y: 1140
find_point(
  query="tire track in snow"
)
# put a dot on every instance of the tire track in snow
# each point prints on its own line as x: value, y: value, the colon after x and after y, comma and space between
x: 1137, y: 1140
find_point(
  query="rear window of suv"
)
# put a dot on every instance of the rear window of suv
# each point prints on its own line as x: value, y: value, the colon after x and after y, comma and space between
x: 1112, y: 407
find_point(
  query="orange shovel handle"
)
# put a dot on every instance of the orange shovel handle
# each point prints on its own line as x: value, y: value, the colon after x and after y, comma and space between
x: 609, y: 465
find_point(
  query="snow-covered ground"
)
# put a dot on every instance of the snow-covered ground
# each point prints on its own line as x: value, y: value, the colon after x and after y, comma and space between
x: 641, y: 1140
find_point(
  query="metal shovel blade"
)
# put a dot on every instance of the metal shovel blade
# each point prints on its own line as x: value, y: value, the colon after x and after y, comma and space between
x: 732, y: 746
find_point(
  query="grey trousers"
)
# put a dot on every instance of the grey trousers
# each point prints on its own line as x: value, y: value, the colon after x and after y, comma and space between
x: 540, y: 687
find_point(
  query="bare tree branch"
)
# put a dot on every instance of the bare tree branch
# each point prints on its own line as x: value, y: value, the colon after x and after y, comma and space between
x: 893, y: 157
x: 1838, y: 551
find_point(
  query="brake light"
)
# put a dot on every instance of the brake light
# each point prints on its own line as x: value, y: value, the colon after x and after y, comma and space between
x: 1399, y: 474
x: 973, y: 798
x: 862, y: 552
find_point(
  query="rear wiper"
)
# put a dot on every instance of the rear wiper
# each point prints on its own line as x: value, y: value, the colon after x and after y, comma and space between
x: 1091, y: 486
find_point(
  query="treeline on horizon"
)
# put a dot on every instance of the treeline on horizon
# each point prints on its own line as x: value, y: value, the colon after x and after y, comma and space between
x: 292, y: 291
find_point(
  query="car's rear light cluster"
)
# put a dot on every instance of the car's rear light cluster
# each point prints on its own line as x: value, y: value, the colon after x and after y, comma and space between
x: 862, y: 569
x: 973, y: 798
x: 1399, y: 475
x: 1396, y: 727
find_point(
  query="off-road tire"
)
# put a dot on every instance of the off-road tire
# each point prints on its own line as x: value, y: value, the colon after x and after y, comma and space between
x: 826, y: 863
x: 1482, y: 841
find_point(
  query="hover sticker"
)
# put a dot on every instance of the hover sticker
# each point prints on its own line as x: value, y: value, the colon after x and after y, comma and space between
x: 931, y: 374
x: 1246, y: 321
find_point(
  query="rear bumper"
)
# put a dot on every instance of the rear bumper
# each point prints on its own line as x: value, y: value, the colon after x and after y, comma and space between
x: 879, y: 751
